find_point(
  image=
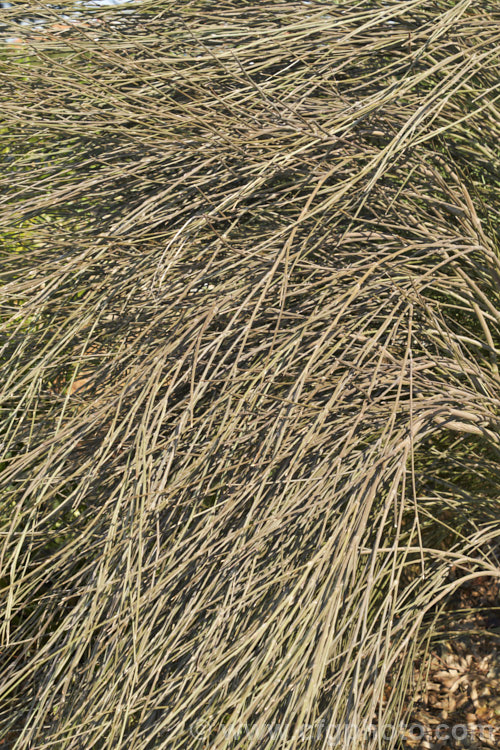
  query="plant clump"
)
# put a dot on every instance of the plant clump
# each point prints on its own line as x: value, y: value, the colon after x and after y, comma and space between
x: 250, y: 329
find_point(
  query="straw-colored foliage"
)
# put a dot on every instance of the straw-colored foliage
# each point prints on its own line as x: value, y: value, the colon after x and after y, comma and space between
x: 250, y: 403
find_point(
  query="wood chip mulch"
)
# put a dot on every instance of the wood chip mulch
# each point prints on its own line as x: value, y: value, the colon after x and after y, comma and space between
x: 457, y: 698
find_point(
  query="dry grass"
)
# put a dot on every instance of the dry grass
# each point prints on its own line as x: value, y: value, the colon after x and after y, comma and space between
x: 250, y: 316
